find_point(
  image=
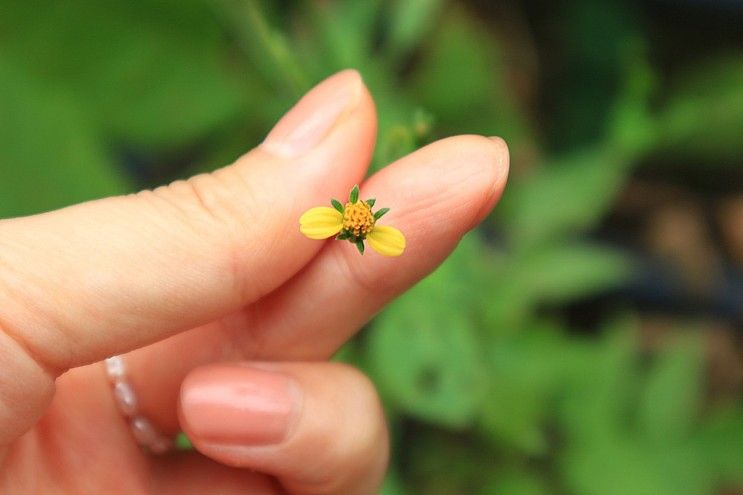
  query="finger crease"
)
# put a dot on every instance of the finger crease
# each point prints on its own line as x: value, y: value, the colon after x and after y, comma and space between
x: 46, y: 367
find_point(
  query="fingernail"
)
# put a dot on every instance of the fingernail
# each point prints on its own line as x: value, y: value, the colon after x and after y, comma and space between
x: 315, y: 115
x: 238, y: 405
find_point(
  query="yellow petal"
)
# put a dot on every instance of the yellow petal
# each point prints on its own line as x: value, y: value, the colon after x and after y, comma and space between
x: 387, y: 241
x: 321, y: 222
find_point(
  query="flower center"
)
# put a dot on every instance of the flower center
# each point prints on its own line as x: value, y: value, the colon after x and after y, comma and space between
x: 358, y: 219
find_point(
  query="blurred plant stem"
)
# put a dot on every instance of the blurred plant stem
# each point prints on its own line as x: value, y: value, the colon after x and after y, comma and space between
x: 267, y: 48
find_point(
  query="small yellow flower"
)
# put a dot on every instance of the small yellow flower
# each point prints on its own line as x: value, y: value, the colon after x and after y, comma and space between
x: 355, y: 222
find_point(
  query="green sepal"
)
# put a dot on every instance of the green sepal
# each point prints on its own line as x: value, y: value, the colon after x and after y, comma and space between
x: 353, y: 197
x: 360, y: 246
x: 381, y: 212
x: 371, y: 202
x: 344, y: 235
x: 337, y: 205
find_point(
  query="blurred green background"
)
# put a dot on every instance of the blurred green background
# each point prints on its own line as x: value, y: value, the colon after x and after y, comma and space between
x: 586, y: 339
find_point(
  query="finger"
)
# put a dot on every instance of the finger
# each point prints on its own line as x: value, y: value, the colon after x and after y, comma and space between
x: 83, y: 419
x: 317, y: 427
x: 436, y: 195
x: 104, y: 277
x: 439, y: 194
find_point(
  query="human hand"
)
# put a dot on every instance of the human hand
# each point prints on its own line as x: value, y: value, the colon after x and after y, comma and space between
x: 227, y: 312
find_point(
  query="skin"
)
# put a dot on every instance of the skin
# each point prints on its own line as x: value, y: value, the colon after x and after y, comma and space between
x: 214, y: 270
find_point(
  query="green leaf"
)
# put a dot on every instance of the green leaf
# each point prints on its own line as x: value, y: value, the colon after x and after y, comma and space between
x: 524, y: 375
x: 444, y: 463
x: 337, y: 205
x: 605, y: 433
x: 360, y: 246
x: 601, y: 382
x: 268, y: 48
x: 611, y: 466
x: 597, y: 35
x: 516, y: 482
x: 174, y: 95
x: 164, y: 83
x: 463, y: 80
x: 409, y: 23
x: 720, y: 439
x: 683, y: 465
x: 552, y: 273
x: 393, y: 484
x: 353, y: 197
x: 566, y: 196
x: 562, y: 273
x: 425, y: 356
x: 380, y: 213
x: 341, y: 32
x: 673, y: 392
x: 50, y: 155
x: 703, y: 116
x: 631, y: 127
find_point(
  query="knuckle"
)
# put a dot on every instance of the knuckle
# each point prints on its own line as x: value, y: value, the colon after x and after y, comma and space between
x: 19, y: 314
x: 215, y: 209
x: 204, y: 200
x: 26, y: 385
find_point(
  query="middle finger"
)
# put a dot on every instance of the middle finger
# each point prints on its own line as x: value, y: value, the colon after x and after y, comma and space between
x: 436, y: 194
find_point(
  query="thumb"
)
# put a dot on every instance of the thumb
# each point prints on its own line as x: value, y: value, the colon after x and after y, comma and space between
x: 105, y: 277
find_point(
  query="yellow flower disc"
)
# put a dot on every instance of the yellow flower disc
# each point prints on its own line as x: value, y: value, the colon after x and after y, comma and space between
x: 386, y: 240
x: 321, y: 222
x: 358, y: 219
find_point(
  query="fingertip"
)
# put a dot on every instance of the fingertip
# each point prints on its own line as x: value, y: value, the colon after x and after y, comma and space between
x: 458, y: 179
x: 500, y: 170
x: 334, y: 438
x: 435, y: 196
x: 502, y: 156
x: 491, y: 153
x: 316, y: 115
x: 487, y: 160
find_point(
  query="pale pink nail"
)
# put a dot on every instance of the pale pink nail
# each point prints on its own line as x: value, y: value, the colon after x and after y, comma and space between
x: 307, y: 124
x: 238, y: 405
